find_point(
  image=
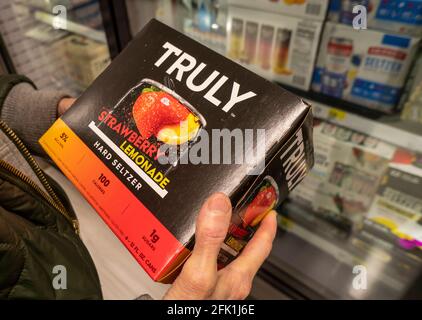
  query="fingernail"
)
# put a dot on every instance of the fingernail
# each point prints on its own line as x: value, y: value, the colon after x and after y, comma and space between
x: 219, y: 203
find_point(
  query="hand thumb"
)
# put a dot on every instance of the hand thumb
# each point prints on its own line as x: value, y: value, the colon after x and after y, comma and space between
x: 211, y: 228
x: 199, y: 274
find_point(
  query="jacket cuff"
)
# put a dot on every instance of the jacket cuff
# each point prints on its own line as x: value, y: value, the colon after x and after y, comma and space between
x: 30, y: 113
x: 8, y: 81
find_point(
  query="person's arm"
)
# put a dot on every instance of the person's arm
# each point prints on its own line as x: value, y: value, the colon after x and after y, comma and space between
x: 28, y: 111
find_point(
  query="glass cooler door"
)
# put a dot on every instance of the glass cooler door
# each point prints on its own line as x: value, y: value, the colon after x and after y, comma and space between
x: 59, y: 44
x: 353, y: 228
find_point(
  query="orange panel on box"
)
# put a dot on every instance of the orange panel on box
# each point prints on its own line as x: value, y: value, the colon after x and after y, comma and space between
x: 129, y: 219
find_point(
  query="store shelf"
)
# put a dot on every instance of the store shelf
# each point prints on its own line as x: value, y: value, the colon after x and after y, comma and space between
x: 307, y: 246
x: 47, y: 6
x: 390, y: 129
x: 71, y: 26
x: 386, y: 127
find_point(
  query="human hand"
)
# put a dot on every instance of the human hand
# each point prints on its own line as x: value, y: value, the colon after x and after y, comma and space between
x: 199, y: 278
x: 64, y: 104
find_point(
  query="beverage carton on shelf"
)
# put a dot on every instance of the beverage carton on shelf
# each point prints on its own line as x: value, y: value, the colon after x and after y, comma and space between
x: 86, y: 58
x: 398, y: 202
x: 397, y: 16
x: 279, y: 48
x: 348, y: 169
x: 310, y: 9
x: 366, y: 67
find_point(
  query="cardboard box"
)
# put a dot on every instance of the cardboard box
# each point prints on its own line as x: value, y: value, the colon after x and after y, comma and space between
x: 348, y: 168
x: 411, y: 100
x: 279, y: 48
x: 310, y: 9
x: 398, y: 202
x: 86, y: 59
x: 404, y: 17
x: 412, y: 109
x: 111, y: 144
x: 366, y: 67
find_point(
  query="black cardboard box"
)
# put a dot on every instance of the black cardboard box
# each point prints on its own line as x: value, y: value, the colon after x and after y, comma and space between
x: 114, y: 142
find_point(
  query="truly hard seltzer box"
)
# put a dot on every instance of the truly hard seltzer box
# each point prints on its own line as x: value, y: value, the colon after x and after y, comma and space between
x: 167, y: 124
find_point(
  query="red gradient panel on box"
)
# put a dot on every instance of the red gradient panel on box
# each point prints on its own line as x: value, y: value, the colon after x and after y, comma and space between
x: 129, y: 219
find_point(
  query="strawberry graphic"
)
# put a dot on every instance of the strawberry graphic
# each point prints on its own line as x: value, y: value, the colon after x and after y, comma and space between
x: 263, y: 202
x: 155, y: 109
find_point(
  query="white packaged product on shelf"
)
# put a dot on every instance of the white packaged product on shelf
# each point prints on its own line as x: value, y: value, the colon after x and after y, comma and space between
x: 398, y: 202
x: 86, y: 59
x: 314, y: 9
x: 348, y: 168
x: 366, y: 67
x: 279, y: 48
x: 413, y: 107
x: 412, y: 96
x: 404, y: 16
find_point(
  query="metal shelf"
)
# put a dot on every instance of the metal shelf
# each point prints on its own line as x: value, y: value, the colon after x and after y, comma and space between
x: 390, y: 129
x: 386, y: 127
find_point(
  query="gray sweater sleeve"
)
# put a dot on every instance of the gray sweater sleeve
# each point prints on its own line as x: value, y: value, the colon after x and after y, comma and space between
x: 30, y: 112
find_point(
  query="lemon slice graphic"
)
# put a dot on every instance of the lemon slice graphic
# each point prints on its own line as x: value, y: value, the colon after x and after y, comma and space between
x: 179, y: 133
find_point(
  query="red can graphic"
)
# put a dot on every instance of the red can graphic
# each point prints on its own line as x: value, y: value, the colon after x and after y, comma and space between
x: 247, y: 218
x: 337, y: 65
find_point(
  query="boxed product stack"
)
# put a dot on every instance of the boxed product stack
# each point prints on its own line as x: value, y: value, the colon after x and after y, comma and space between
x: 281, y: 48
x: 367, y: 67
x: 348, y: 168
x: 312, y: 9
x: 398, y: 201
x: 403, y: 17
x: 413, y: 106
x: 370, y: 66
x: 411, y: 101
x: 86, y: 58
x: 358, y: 178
